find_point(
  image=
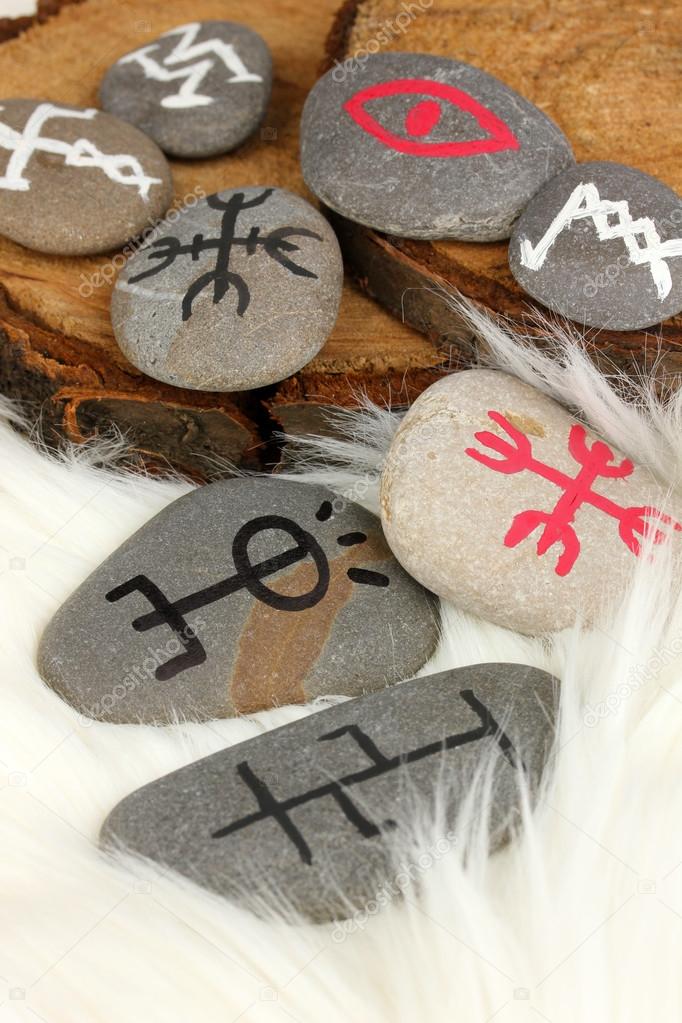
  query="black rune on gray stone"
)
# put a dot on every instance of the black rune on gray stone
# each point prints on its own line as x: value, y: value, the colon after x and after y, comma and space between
x: 198, y: 90
x: 308, y: 810
x: 425, y: 147
x: 602, y: 244
x: 242, y: 595
x: 238, y: 291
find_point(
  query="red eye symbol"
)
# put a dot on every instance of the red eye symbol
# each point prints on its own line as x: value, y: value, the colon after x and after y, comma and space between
x: 423, y: 117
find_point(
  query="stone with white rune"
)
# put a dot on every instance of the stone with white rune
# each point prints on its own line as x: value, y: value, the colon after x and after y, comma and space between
x: 76, y: 181
x: 425, y: 147
x: 310, y: 811
x: 495, y: 498
x: 602, y: 244
x: 244, y: 594
x: 238, y: 291
x: 198, y: 90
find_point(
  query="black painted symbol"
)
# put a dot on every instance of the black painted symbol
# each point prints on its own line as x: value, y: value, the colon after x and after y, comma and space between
x: 271, y: 808
x: 276, y: 244
x: 247, y: 576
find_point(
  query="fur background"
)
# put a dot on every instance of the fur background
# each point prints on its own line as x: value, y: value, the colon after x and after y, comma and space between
x: 578, y: 919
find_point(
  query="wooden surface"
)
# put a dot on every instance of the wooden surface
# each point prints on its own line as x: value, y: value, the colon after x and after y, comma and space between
x: 609, y: 74
x: 57, y: 350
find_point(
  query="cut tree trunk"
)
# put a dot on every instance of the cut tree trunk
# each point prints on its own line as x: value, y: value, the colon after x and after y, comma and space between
x: 57, y: 350
x: 608, y: 74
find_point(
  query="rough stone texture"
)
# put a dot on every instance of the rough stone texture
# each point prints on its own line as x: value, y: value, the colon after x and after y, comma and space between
x: 250, y: 298
x: 223, y: 103
x: 513, y: 541
x: 609, y: 269
x: 444, y: 151
x: 343, y: 618
x: 88, y: 183
x: 329, y: 854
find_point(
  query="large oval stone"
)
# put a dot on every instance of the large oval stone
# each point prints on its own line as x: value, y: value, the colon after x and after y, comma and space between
x: 238, y: 291
x: 495, y: 498
x: 305, y: 811
x: 425, y: 147
x: 76, y: 181
x: 242, y: 595
x: 602, y: 244
x: 198, y: 90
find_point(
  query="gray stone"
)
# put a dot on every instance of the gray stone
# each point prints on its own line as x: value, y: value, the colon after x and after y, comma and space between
x: 237, y: 291
x: 198, y: 90
x: 602, y: 244
x: 426, y: 147
x: 308, y: 810
x: 242, y: 595
x: 494, y: 497
x: 76, y: 181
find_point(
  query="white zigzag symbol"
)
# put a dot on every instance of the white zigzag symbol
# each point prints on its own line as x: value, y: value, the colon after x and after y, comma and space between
x: 584, y: 202
x: 119, y: 167
x: 187, y: 49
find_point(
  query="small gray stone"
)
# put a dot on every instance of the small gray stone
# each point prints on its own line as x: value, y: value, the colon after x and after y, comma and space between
x: 495, y: 498
x: 238, y: 291
x: 76, y: 181
x: 305, y: 811
x: 426, y: 147
x: 198, y: 90
x: 602, y: 244
x: 242, y: 595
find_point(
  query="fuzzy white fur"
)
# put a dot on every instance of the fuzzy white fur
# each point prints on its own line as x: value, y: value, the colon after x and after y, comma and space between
x: 579, y: 919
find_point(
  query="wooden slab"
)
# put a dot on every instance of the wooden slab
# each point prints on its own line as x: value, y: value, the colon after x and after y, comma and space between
x: 57, y: 349
x: 609, y: 74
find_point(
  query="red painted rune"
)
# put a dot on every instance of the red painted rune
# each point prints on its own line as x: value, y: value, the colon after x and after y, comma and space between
x: 595, y: 461
x: 424, y: 116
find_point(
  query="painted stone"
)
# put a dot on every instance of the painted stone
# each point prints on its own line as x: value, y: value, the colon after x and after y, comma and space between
x: 602, y: 244
x: 198, y: 90
x: 309, y: 809
x: 496, y: 499
x: 76, y: 181
x: 242, y: 595
x: 425, y: 147
x: 239, y: 291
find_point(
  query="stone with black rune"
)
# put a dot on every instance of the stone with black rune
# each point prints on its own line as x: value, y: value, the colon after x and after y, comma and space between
x: 425, y: 147
x: 243, y: 595
x: 602, y: 244
x: 238, y: 291
x: 76, y: 181
x: 198, y: 90
x: 310, y: 811
x: 495, y: 498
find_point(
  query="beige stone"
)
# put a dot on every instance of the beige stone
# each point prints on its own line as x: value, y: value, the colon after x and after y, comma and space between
x: 530, y: 549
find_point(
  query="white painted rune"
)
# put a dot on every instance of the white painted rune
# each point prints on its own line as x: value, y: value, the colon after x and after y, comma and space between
x: 192, y: 76
x: 119, y: 167
x: 611, y: 220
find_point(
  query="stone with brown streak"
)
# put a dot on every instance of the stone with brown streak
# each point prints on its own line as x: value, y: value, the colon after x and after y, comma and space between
x: 298, y: 596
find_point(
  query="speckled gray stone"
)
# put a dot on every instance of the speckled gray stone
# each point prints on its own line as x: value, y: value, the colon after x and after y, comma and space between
x: 198, y: 90
x: 308, y: 810
x: 271, y: 592
x: 76, y: 181
x: 238, y: 291
x: 425, y: 147
x: 618, y: 266
x: 494, y: 497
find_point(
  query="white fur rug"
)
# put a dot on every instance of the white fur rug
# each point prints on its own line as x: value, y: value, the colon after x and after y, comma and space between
x: 579, y: 919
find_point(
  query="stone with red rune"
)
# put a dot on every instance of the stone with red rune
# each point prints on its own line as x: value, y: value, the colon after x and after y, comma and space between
x: 421, y: 146
x: 494, y: 497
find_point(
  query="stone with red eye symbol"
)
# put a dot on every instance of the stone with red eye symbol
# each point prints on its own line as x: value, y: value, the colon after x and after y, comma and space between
x: 425, y: 115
